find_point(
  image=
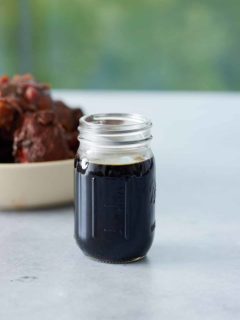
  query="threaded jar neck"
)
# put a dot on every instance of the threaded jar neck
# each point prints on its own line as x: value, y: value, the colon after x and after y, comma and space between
x: 115, y: 130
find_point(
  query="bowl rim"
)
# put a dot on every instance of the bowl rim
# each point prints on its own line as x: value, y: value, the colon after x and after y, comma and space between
x: 35, y: 164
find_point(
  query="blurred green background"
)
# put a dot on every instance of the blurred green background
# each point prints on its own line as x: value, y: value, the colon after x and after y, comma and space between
x: 127, y: 44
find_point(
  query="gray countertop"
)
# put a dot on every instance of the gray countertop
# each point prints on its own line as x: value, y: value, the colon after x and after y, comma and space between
x: 193, y: 269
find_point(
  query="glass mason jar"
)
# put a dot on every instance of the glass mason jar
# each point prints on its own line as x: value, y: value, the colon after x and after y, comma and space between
x: 115, y: 187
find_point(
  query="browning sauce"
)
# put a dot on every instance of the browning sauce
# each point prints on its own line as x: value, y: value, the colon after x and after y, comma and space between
x: 114, y: 209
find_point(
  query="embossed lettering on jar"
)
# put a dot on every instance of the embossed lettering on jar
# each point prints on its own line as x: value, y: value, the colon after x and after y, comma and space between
x: 115, y: 187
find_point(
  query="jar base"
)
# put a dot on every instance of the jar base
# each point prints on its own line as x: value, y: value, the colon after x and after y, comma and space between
x: 122, y: 261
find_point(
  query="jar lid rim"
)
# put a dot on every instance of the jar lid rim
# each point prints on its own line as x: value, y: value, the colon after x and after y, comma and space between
x: 115, y: 121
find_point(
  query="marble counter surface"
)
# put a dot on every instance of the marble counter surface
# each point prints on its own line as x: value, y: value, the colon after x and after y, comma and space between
x: 193, y: 269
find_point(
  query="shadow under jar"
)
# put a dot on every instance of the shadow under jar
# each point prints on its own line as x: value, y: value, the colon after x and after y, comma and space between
x: 115, y: 187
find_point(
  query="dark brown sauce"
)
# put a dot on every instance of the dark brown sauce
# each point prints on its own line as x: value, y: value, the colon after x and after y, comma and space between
x: 114, y: 209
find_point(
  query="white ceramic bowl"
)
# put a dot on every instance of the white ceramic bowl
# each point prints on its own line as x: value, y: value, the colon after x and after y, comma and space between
x: 39, y: 184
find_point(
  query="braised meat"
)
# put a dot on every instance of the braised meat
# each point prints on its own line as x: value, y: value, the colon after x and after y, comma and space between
x: 22, y: 102
x: 69, y: 120
x: 40, y: 138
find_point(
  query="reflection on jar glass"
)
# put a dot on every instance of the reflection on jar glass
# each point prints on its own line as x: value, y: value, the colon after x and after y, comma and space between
x: 115, y: 187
